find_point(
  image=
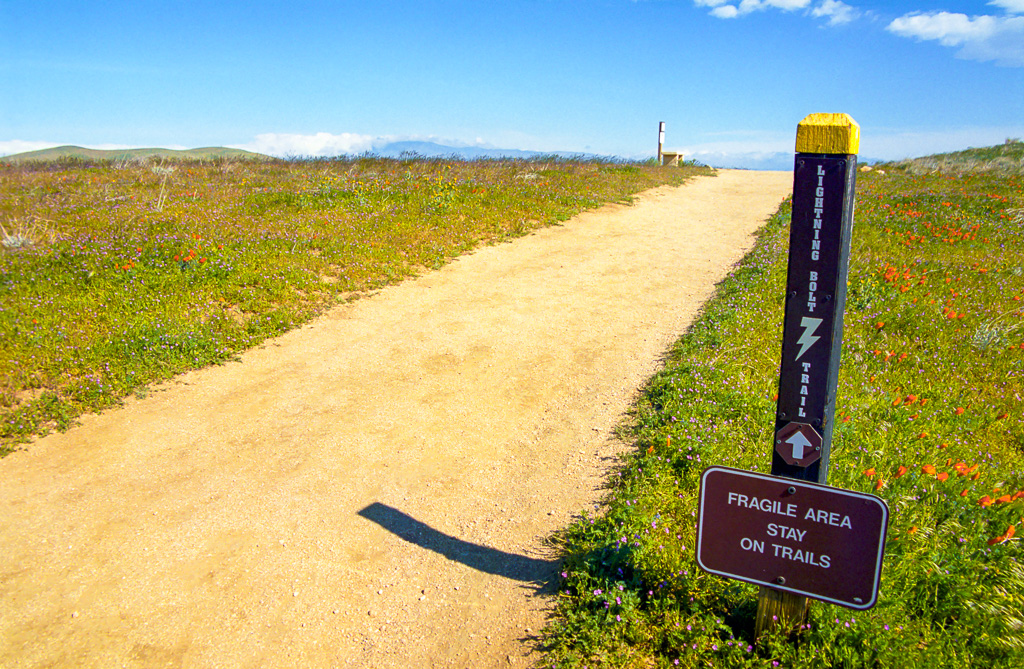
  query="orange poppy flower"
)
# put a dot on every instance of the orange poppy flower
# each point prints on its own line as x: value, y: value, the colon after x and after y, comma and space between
x: 869, y: 472
x: 1002, y: 537
x: 943, y: 476
x: 985, y: 501
x: 900, y: 472
x: 928, y: 469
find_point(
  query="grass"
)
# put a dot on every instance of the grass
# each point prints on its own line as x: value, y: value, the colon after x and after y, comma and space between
x: 929, y: 418
x: 1005, y: 158
x: 115, y: 275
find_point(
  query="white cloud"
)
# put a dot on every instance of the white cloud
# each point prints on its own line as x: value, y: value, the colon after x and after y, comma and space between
x: 742, y: 148
x: 949, y: 29
x: 836, y: 12
x: 747, y: 149
x: 748, y: 6
x: 983, y: 38
x: 741, y: 142
x: 320, y: 145
x: 719, y: 8
x: 1012, y: 6
x: 728, y: 10
x: 10, y: 147
x: 325, y: 144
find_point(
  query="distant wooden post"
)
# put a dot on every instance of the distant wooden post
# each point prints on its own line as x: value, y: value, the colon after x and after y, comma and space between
x: 661, y: 139
x: 819, y: 252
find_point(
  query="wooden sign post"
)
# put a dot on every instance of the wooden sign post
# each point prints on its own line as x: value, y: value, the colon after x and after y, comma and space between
x: 824, y: 176
x: 661, y: 140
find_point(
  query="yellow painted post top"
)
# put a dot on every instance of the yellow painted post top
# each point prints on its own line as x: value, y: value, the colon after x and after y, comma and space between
x: 828, y: 133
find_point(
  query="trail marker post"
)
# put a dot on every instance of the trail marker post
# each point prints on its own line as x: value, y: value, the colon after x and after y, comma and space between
x: 789, y: 532
x: 824, y: 175
x: 661, y: 140
x: 819, y: 256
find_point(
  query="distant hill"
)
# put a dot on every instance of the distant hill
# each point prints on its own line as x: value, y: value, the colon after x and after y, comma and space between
x: 1007, y: 157
x: 390, y: 150
x: 772, y: 161
x: 433, y: 150
x: 80, y: 153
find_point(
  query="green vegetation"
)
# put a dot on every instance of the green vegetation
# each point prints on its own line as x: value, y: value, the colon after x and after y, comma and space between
x: 1005, y: 158
x: 929, y: 418
x: 114, y: 275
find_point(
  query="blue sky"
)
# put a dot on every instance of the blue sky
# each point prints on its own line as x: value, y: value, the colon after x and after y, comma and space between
x: 729, y: 77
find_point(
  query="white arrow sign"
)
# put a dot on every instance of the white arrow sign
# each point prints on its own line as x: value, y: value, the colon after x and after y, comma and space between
x: 799, y: 442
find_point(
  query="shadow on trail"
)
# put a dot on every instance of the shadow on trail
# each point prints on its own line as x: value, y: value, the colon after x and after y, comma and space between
x: 540, y: 573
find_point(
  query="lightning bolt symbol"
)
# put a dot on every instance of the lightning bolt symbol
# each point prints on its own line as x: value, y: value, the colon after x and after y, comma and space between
x: 807, y: 339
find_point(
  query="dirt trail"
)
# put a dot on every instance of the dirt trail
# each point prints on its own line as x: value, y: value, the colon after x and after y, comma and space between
x: 373, y: 489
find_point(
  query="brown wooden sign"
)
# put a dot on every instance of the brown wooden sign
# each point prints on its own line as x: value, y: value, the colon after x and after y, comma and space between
x: 808, y: 539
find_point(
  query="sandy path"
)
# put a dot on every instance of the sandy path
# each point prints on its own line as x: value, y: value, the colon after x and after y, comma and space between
x: 371, y: 490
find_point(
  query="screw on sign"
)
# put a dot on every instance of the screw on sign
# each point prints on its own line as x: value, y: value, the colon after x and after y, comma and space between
x: 798, y: 444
